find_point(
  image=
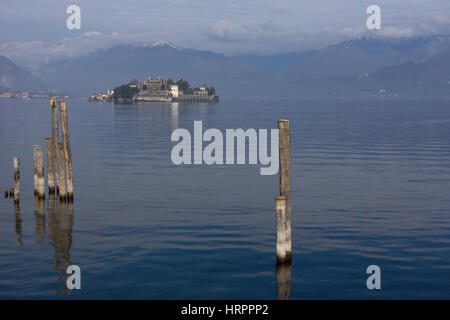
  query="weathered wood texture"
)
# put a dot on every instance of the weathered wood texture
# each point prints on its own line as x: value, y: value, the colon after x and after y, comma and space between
x: 16, y: 179
x: 59, y: 175
x: 285, y: 176
x: 39, y: 180
x: 66, y: 146
x: 35, y: 174
x: 50, y: 165
x: 61, y: 181
x: 281, y: 228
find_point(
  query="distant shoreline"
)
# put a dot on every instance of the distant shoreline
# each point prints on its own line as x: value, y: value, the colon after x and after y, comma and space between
x: 157, y: 99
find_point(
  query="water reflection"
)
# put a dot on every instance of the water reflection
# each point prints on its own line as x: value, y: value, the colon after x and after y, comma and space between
x: 60, y: 224
x: 18, y: 224
x: 174, y: 113
x: 284, y: 273
x: 39, y: 212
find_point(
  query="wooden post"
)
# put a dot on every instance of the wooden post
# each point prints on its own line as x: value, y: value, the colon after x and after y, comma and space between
x: 50, y: 166
x: 55, y: 140
x: 16, y: 179
x: 59, y: 170
x: 281, y: 228
x: 11, y: 193
x: 39, y: 180
x: 67, y: 150
x: 61, y: 181
x: 54, y: 119
x: 35, y: 174
x: 6, y: 194
x: 285, y: 177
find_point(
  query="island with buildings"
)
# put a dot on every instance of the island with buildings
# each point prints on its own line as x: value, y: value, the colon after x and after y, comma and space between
x: 157, y: 90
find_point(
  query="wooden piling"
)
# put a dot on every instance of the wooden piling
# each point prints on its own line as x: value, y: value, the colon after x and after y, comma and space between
x: 61, y: 181
x: 281, y: 228
x: 55, y: 131
x: 35, y: 174
x: 11, y: 193
x: 285, y: 177
x: 50, y: 165
x: 16, y: 179
x: 59, y: 171
x: 6, y: 194
x: 55, y: 140
x: 66, y: 145
x: 39, y: 180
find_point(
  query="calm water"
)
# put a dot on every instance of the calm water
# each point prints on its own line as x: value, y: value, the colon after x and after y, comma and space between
x: 370, y: 185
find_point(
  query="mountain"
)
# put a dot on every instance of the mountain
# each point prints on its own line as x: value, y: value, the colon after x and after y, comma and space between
x: 363, y: 67
x: 419, y: 79
x: 414, y: 79
x: 278, y: 63
x: 105, y: 69
x: 366, y: 55
x: 14, y: 78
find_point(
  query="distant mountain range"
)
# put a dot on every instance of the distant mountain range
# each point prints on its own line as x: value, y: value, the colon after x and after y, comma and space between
x: 404, y: 67
x: 108, y: 68
x: 14, y: 78
x: 366, y: 55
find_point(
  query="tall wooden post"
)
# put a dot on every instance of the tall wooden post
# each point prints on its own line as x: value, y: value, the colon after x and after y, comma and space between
x: 54, y: 119
x: 55, y: 140
x: 39, y: 181
x: 285, y: 177
x: 16, y: 179
x: 61, y: 181
x: 50, y: 166
x: 281, y: 228
x: 35, y: 174
x: 66, y: 145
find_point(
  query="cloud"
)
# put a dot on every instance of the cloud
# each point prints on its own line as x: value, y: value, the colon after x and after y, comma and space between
x: 223, y: 36
x: 226, y: 31
x: 34, y: 54
x: 408, y: 24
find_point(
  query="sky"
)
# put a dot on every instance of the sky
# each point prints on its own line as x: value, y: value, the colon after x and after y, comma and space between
x: 34, y: 31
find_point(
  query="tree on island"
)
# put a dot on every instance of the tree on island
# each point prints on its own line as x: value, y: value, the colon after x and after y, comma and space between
x: 183, y: 85
x: 212, y: 91
x: 125, y: 92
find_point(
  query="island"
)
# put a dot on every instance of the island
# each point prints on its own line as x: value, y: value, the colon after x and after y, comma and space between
x: 157, y: 90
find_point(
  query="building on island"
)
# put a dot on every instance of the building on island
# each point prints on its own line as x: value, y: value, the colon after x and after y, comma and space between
x: 174, y: 90
x: 157, y: 90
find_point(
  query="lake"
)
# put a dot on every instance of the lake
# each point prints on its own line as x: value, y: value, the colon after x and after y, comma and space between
x: 370, y: 185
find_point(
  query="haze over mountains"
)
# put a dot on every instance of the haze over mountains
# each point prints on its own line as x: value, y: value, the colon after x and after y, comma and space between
x: 404, y: 67
x: 108, y: 68
x: 12, y: 77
